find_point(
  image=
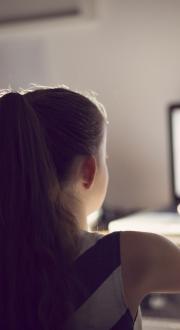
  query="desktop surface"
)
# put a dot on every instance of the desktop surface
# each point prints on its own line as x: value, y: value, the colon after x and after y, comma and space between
x: 162, y: 223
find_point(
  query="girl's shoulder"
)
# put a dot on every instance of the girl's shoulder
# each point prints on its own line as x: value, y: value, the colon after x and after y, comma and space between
x: 150, y: 263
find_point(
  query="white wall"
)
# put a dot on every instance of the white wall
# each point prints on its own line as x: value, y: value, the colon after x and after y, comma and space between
x: 130, y: 55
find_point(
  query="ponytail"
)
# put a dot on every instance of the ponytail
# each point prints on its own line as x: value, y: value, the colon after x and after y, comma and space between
x: 33, y: 262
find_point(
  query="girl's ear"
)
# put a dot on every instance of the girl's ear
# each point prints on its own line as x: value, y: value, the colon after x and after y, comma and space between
x: 88, y: 168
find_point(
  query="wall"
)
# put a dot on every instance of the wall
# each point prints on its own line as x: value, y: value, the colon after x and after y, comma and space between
x: 129, y: 53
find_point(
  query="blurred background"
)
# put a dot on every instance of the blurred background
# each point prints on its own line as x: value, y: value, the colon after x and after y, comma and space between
x: 128, y: 52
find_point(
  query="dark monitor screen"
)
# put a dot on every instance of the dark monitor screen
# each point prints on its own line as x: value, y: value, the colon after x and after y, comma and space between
x: 174, y: 112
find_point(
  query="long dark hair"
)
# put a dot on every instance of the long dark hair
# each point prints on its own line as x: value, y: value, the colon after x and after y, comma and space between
x: 41, y: 133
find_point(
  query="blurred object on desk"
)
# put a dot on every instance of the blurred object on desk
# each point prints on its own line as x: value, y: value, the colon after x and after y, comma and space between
x: 162, y: 223
x: 161, y: 305
x: 100, y: 219
x: 159, y: 324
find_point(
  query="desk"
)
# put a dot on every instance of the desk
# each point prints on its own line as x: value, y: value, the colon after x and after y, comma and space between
x: 159, y: 324
x: 162, y: 223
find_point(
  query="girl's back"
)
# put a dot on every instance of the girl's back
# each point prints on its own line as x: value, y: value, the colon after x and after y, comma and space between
x: 99, y: 267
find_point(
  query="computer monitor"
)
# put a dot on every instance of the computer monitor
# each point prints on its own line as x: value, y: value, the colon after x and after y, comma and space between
x: 174, y: 135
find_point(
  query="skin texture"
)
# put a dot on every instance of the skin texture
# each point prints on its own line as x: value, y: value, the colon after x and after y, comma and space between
x: 89, y: 183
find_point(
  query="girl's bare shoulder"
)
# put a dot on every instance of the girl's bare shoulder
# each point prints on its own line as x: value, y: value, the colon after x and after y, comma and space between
x: 150, y: 263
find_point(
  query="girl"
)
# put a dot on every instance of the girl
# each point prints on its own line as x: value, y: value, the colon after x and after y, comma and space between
x: 54, y: 274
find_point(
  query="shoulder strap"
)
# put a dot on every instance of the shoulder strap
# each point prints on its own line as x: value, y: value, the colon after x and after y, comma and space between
x: 93, y: 266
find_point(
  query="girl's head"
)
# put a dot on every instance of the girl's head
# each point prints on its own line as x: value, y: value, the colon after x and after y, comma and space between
x: 53, y: 173
x: 75, y: 128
